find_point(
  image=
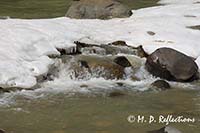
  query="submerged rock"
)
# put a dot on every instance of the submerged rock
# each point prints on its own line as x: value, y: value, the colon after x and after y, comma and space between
x: 167, y: 129
x: 116, y: 94
x: 98, y: 9
x: 161, y: 84
x: 172, y: 65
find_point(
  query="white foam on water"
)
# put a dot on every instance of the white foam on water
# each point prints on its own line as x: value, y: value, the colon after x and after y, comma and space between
x: 26, y: 44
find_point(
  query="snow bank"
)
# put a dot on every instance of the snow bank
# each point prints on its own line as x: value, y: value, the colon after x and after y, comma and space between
x: 178, y: 1
x: 25, y: 44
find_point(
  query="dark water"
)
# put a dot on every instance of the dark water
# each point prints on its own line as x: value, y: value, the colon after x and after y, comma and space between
x: 51, y: 8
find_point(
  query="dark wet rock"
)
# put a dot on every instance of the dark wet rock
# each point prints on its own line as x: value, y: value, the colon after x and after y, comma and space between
x: 2, y: 131
x: 98, y: 9
x: 120, y: 84
x: 151, y: 33
x: 69, y: 51
x: 196, y: 27
x: 2, y: 90
x: 190, y: 16
x: 167, y: 129
x: 83, y: 45
x: 12, y: 89
x: 122, y: 61
x: 118, y: 43
x: 141, y: 52
x: 172, y: 65
x: 84, y: 64
x: 83, y: 86
x: 107, y: 48
x: 161, y: 84
x: 116, y: 94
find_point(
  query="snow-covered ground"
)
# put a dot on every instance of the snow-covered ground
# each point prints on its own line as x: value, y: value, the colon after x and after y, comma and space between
x: 25, y: 44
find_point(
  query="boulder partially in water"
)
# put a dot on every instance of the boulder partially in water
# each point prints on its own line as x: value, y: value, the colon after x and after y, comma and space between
x: 98, y: 9
x: 161, y: 85
x: 172, y: 65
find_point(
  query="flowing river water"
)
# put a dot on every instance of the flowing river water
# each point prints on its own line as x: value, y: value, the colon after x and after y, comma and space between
x: 85, y: 106
x: 65, y: 105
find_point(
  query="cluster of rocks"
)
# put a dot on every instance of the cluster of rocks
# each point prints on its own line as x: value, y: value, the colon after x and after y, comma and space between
x: 91, y: 60
x: 94, y: 61
x: 165, y: 63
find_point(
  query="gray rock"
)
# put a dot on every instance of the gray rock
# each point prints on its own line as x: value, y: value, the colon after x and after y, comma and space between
x: 97, y: 9
x: 172, y: 65
x: 161, y: 84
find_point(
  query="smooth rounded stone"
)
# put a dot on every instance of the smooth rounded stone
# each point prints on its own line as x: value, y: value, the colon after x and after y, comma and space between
x: 84, y: 86
x: 167, y: 129
x: 172, y: 65
x: 161, y: 84
x: 122, y: 61
x: 151, y: 33
x: 87, y: 66
x: 118, y: 43
x: 98, y: 9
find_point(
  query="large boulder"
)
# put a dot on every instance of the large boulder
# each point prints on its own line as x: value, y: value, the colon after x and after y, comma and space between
x: 172, y: 65
x: 161, y: 85
x: 97, y: 9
